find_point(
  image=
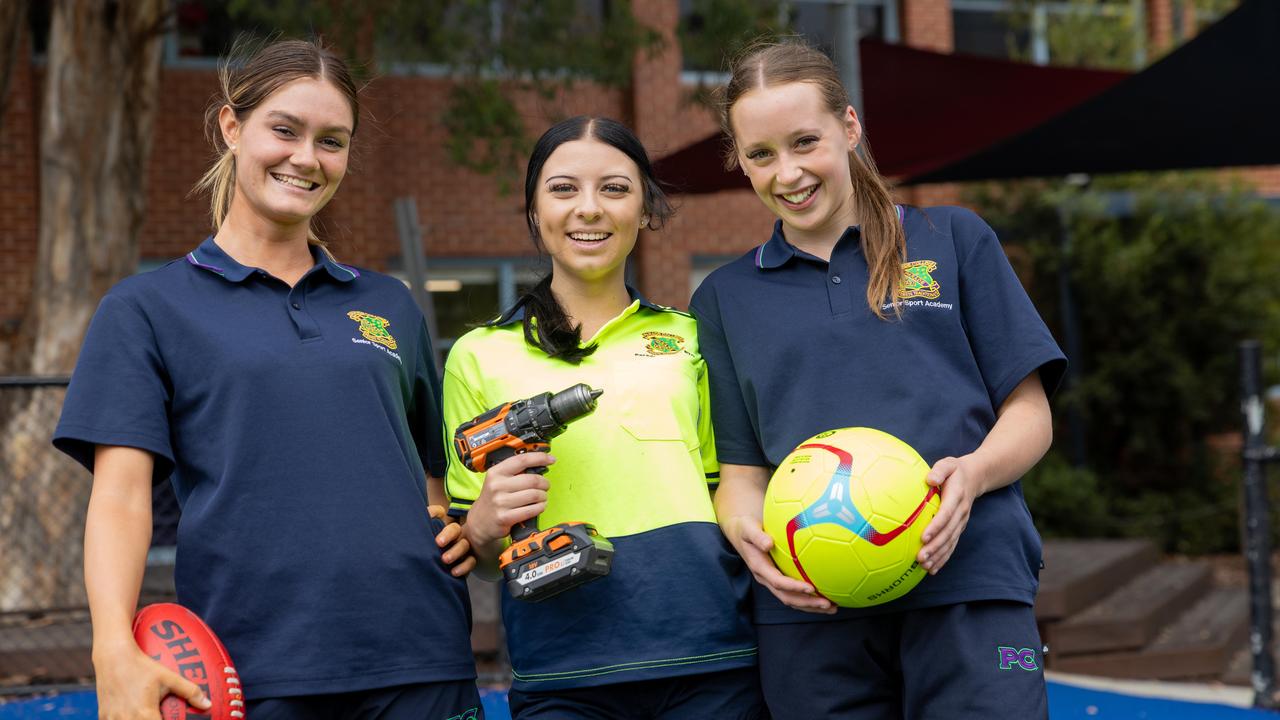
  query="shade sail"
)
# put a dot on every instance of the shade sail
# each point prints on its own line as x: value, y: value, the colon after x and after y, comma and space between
x: 923, y: 111
x: 1214, y: 102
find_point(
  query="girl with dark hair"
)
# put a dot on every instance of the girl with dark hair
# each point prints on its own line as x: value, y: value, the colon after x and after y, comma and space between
x: 294, y: 403
x: 860, y: 312
x: 665, y: 634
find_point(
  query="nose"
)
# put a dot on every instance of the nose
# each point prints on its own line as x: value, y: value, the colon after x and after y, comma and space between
x: 789, y: 171
x: 588, y: 209
x: 304, y: 156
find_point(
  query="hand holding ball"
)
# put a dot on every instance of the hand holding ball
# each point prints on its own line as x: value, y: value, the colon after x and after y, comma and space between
x: 178, y: 639
x: 846, y: 510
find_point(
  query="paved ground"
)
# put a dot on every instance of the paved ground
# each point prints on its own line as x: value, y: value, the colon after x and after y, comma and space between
x: 1070, y: 698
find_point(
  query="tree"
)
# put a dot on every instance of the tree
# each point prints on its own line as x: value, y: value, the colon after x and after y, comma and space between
x: 102, y: 80
x: 13, y: 14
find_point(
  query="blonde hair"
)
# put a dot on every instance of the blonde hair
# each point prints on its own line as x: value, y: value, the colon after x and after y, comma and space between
x: 884, y: 243
x: 244, y: 85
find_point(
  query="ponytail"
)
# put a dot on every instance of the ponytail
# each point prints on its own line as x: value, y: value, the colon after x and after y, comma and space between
x: 547, y: 325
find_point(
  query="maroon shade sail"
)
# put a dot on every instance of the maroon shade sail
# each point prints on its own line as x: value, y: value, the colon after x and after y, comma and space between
x: 1213, y: 102
x: 924, y: 110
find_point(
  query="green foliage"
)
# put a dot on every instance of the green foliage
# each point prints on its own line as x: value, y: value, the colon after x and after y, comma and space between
x: 1065, y: 501
x: 494, y: 49
x: 1093, y: 33
x: 715, y: 31
x: 1162, y: 296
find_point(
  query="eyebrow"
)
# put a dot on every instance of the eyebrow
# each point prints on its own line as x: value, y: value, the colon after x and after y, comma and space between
x: 606, y: 177
x: 298, y: 121
x: 796, y: 134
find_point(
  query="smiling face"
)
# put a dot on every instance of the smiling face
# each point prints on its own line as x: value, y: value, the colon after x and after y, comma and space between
x: 589, y: 206
x: 291, y: 151
x: 796, y: 151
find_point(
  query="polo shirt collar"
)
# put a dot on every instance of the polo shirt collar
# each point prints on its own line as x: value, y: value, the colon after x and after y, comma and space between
x: 777, y: 251
x: 212, y: 258
x: 515, y: 313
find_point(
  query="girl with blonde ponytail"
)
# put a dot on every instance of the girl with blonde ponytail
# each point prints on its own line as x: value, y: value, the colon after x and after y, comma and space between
x: 293, y: 403
x: 860, y: 312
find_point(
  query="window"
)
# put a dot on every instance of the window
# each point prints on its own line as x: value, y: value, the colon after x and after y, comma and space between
x: 466, y: 292
x: 1095, y: 33
x: 709, y: 31
x: 204, y: 30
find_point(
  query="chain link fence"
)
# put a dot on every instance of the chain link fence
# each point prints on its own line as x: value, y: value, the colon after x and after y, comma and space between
x: 45, y: 635
x: 44, y: 618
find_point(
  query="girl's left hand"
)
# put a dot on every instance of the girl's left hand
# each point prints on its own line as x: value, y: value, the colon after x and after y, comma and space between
x: 457, y: 550
x: 958, y: 481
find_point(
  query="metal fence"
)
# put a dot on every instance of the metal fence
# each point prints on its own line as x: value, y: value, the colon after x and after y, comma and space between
x: 44, y: 619
x: 45, y: 636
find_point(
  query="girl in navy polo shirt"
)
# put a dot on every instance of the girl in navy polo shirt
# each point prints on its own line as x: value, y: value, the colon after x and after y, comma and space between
x: 859, y: 312
x: 295, y: 404
x: 666, y: 634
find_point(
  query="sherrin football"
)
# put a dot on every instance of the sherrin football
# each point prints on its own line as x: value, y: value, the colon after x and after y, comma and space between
x: 178, y: 639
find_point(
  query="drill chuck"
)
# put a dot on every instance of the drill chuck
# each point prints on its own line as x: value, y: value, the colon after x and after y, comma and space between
x: 572, y: 403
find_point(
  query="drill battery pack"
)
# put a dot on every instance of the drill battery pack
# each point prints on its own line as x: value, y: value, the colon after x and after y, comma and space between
x: 554, y: 560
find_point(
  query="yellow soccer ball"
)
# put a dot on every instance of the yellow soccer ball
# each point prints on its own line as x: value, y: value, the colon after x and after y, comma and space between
x: 846, y: 510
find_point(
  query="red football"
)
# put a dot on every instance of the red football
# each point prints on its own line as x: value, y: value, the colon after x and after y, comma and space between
x: 179, y: 640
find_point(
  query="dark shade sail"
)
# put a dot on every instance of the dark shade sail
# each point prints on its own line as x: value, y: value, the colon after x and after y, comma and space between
x: 923, y: 111
x: 1214, y: 102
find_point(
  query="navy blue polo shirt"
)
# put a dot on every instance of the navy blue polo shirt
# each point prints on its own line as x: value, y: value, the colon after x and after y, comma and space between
x: 793, y: 350
x: 296, y: 424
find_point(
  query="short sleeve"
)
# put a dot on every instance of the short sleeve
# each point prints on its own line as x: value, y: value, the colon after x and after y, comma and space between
x: 426, y: 415
x: 460, y: 405
x: 735, y: 436
x: 1007, y: 335
x: 120, y: 393
x: 706, y: 436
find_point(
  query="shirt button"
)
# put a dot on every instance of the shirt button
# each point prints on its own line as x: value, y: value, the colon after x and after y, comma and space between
x: 835, y: 279
x: 296, y: 306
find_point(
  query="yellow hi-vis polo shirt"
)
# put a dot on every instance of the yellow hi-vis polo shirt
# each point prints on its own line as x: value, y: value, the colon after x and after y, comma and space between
x: 638, y: 468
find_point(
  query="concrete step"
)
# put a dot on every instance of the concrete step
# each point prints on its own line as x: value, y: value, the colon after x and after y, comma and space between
x: 1199, y: 644
x: 1130, y: 617
x: 1078, y: 572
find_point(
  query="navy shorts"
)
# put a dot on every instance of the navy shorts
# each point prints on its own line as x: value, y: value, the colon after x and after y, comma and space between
x: 970, y: 661
x: 453, y: 700
x: 727, y: 695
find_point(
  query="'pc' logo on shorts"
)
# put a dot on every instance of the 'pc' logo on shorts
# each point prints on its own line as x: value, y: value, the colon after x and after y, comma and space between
x: 1012, y: 657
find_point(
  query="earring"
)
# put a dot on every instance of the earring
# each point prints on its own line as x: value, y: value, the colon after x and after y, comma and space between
x: 644, y: 221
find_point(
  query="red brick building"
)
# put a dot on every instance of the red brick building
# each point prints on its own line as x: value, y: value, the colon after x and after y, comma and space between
x: 474, y: 236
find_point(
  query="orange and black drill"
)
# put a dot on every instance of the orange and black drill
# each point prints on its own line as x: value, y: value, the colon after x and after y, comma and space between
x: 538, y: 563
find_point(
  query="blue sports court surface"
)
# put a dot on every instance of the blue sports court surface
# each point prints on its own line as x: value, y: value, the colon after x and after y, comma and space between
x: 1066, y: 702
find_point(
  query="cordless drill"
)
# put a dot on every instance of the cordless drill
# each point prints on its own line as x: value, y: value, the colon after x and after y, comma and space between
x: 538, y: 563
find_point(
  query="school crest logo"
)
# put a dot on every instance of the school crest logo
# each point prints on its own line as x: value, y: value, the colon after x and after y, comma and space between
x: 916, y: 281
x: 374, y: 328
x: 660, y: 343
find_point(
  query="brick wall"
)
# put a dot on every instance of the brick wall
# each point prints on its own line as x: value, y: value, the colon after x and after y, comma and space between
x: 19, y: 188
x: 400, y: 151
x: 926, y: 24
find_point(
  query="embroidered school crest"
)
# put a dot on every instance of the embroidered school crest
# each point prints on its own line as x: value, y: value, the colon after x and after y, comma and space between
x: 374, y: 328
x: 916, y: 282
x: 660, y: 343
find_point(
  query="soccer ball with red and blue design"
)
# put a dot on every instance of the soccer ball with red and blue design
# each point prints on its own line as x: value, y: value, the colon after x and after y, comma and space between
x: 846, y: 510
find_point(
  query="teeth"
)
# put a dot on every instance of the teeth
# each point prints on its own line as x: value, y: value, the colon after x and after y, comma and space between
x: 589, y: 236
x: 801, y: 196
x: 296, y: 182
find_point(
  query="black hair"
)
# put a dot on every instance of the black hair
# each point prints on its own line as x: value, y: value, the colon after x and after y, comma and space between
x: 555, y: 335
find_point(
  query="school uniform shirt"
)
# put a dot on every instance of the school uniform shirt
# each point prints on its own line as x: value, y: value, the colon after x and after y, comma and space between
x: 296, y: 424
x: 794, y: 350
x: 638, y: 468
